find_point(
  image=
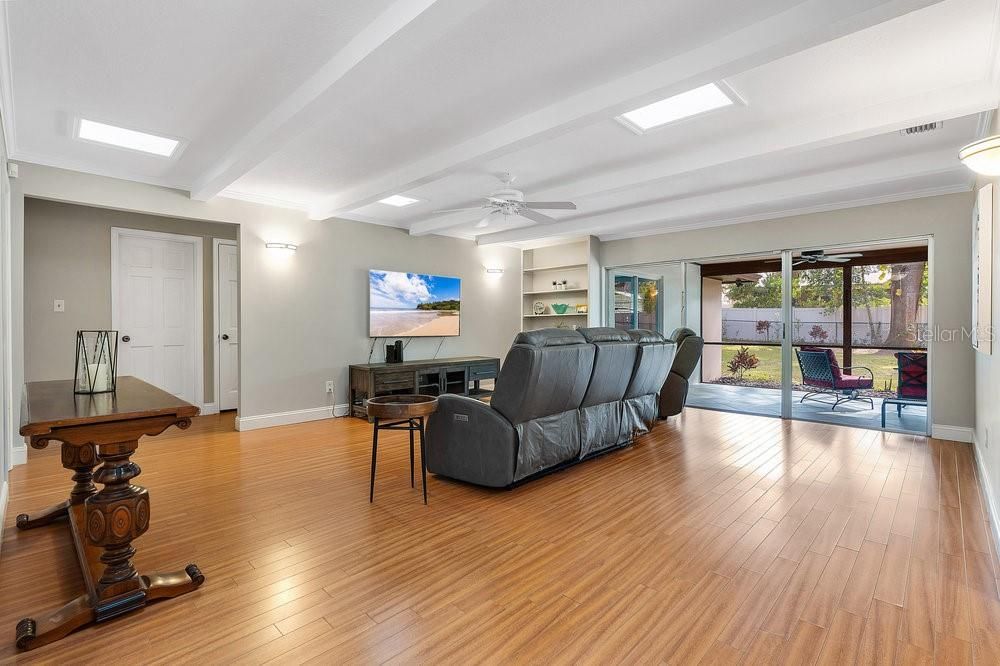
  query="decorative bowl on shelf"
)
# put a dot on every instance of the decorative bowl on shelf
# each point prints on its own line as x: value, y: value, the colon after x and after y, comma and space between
x: 560, y: 308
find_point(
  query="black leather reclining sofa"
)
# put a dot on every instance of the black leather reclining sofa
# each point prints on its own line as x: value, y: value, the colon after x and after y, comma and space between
x: 562, y: 396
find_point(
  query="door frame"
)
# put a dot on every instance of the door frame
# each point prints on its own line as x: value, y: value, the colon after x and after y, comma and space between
x: 199, y: 300
x: 787, y: 353
x: 216, y: 340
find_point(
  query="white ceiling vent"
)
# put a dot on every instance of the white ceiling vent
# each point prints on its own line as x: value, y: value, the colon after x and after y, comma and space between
x: 920, y: 129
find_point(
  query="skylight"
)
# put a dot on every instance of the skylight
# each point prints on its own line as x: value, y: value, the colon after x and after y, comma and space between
x: 684, y: 105
x: 125, y: 138
x: 398, y: 200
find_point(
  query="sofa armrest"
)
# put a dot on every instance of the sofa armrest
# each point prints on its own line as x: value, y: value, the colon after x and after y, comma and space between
x: 470, y: 441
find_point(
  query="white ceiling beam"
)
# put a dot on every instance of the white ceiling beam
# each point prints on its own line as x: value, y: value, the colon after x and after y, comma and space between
x: 789, y: 135
x: 664, y: 214
x: 808, y: 24
x: 291, y: 116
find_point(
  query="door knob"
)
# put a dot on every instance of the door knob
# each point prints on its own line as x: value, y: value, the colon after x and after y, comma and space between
x: 126, y: 338
x: 225, y: 336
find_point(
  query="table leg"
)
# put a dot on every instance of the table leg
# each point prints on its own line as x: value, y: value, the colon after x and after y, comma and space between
x: 162, y: 586
x: 115, y: 516
x: 423, y: 459
x: 411, y: 452
x: 32, y: 633
x: 371, y: 489
x: 81, y: 460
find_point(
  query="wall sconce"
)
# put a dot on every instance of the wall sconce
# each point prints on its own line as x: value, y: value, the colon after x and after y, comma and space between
x: 983, y: 156
x: 494, y: 271
x: 283, y: 248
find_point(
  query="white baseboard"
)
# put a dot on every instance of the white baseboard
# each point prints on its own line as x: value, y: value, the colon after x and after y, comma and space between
x: 952, y: 433
x: 19, y: 455
x: 3, y: 507
x: 209, y: 408
x: 288, y: 418
x: 987, y: 488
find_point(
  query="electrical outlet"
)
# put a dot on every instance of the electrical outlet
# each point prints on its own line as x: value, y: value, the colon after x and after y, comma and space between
x: 329, y: 387
x: 59, y: 306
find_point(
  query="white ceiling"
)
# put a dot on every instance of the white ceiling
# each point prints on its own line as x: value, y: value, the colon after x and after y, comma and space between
x: 329, y: 105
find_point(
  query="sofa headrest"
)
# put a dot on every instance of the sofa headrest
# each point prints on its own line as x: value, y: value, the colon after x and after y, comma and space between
x: 643, y: 336
x: 604, y: 334
x: 549, y: 337
x: 681, y: 333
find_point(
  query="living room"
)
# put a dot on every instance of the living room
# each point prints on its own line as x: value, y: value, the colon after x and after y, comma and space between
x: 411, y: 331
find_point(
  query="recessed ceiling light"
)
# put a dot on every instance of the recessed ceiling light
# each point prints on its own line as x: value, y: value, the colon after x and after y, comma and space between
x: 91, y: 130
x: 398, y: 200
x: 684, y: 105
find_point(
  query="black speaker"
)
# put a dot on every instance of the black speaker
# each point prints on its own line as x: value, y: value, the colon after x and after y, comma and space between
x: 394, y: 352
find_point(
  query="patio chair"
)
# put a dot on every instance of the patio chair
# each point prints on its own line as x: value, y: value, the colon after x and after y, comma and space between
x: 824, y: 377
x: 911, y: 379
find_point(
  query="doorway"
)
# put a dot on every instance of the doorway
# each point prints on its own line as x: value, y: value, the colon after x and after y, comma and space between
x: 156, y: 307
x: 226, y: 327
x: 769, y: 319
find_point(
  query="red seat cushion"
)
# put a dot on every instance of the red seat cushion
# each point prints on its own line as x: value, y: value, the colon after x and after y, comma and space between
x: 854, y: 382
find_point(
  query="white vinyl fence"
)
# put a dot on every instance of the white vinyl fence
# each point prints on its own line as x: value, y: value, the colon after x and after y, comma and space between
x: 814, y: 326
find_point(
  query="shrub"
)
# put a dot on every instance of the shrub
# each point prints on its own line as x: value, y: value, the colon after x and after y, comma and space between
x: 818, y: 333
x: 742, y: 360
x: 764, y: 326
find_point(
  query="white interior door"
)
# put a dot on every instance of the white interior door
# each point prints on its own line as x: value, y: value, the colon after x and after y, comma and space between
x: 228, y: 343
x: 156, y: 307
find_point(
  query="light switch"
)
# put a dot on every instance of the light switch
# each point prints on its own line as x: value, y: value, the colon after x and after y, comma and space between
x: 59, y: 306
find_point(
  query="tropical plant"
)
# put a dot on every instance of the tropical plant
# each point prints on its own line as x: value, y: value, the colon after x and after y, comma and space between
x: 742, y: 360
x: 764, y: 326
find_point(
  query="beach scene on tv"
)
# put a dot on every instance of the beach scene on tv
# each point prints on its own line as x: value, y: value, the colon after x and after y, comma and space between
x: 413, y: 304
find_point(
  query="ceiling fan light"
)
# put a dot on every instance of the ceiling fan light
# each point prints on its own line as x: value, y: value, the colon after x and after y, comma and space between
x: 982, y: 156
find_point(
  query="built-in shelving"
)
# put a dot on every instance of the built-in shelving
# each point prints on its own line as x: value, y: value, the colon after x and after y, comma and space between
x: 566, y: 314
x: 554, y: 291
x: 576, y: 264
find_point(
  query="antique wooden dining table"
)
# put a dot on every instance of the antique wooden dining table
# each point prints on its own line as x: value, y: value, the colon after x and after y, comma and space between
x: 101, y: 431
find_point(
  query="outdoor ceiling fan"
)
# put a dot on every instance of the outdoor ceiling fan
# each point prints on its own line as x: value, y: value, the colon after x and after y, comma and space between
x: 818, y: 256
x: 508, y: 202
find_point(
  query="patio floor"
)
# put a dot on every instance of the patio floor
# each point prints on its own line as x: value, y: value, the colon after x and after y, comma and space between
x: 767, y: 402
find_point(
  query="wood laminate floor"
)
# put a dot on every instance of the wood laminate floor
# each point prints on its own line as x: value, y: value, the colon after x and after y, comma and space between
x: 719, y: 538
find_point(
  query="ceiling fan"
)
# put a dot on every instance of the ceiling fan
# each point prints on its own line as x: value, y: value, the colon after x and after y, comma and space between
x: 509, y: 202
x: 818, y: 256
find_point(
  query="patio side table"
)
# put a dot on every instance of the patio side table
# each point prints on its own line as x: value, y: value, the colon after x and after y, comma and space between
x: 900, y: 403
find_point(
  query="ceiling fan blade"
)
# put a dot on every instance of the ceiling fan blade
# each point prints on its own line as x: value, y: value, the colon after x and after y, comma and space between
x: 839, y: 259
x: 455, y: 210
x: 800, y: 261
x: 845, y: 255
x: 534, y: 216
x: 550, y: 205
x: 485, y: 222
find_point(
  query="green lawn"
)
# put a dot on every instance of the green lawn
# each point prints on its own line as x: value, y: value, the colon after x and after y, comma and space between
x: 882, y: 364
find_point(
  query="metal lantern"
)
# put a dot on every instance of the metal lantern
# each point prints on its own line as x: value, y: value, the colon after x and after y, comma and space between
x: 96, y: 361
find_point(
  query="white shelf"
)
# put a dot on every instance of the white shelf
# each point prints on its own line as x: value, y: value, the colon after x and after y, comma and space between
x: 556, y: 291
x: 568, y: 314
x: 554, y: 268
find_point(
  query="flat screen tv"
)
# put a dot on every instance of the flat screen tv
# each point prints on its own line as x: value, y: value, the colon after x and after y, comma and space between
x: 413, y: 305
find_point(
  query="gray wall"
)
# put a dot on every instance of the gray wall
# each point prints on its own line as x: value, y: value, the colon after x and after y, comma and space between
x: 947, y: 218
x: 988, y: 367
x: 305, y: 316
x: 67, y: 251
